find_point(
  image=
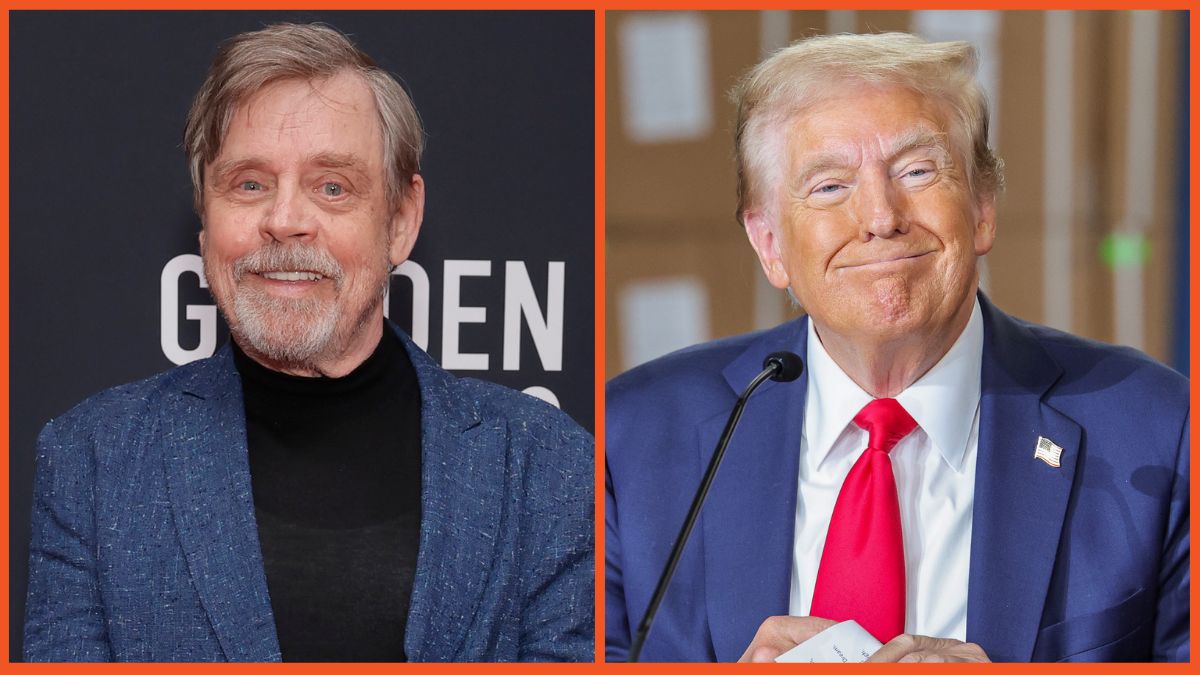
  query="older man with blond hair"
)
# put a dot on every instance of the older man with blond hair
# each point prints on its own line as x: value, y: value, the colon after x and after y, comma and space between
x: 964, y: 485
x: 319, y: 489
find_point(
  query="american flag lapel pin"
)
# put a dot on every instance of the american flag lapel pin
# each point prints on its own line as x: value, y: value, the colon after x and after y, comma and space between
x: 1048, y: 451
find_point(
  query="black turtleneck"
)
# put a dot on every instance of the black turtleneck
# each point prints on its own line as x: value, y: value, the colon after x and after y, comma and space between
x: 335, y: 464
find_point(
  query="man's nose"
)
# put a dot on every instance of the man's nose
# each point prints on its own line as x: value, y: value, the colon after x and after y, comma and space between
x: 880, y: 207
x: 291, y: 217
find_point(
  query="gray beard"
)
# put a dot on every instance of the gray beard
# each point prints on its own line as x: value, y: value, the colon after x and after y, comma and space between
x: 287, y: 330
x: 300, y: 332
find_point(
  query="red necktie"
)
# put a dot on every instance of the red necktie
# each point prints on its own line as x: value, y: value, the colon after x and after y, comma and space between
x: 862, y: 567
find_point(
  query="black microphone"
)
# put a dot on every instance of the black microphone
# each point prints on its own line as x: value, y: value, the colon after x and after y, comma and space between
x: 789, y: 367
x: 779, y: 366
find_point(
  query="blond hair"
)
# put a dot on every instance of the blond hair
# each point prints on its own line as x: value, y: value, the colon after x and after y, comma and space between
x: 782, y: 86
x: 250, y: 61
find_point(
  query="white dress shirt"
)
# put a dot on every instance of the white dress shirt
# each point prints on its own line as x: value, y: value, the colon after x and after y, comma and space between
x: 935, y: 478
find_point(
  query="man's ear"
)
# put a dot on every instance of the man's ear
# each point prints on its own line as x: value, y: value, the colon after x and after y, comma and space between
x: 985, y: 224
x: 405, y: 223
x: 761, y: 233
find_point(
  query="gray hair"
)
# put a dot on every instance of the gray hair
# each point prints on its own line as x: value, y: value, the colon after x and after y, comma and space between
x: 782, y: 86
x: 250, y: 61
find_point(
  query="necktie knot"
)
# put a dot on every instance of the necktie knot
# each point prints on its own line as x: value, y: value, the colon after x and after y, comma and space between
x: 886, y: 422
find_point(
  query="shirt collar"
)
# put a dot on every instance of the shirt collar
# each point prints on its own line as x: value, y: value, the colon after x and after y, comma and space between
x: 943, y: 401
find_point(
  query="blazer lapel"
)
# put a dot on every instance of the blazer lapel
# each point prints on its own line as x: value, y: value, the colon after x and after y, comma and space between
x: 748, y: 521
x: 460, y: 458
x: 1020, y: 501
x: 208, y: 479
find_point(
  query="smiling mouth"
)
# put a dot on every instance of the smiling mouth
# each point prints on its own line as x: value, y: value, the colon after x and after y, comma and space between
x: 897, y: 259
x: 291, y: 276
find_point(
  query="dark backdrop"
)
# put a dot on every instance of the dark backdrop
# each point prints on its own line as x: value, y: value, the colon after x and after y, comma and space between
x: 101, y: 202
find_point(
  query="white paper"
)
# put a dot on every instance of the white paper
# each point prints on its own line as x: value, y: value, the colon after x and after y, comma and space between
x: 845, y: 642
x: 665, y: 76
x: 659, y: 316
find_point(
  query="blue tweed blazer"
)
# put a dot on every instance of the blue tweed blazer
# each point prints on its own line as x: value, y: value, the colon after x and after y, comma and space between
x: 145, y: 546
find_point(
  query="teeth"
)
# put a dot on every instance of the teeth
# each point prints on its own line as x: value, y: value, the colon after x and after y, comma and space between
x: 293, y: 276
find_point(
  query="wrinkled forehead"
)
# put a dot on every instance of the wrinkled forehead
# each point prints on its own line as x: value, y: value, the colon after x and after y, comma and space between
x: 887, y: 118
x: 334, y: 115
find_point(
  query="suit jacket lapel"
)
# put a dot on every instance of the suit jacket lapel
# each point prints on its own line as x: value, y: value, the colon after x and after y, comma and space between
x: 461, y: 456
x: 208, y: 479
x: 1020, y: 502
x: 748, y: 521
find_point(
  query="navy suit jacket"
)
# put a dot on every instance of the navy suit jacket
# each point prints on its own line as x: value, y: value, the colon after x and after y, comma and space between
x: 1086, y: 562
x: 145, y: 546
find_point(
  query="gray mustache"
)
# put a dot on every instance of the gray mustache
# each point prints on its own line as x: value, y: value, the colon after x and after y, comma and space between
x: 288, y: 258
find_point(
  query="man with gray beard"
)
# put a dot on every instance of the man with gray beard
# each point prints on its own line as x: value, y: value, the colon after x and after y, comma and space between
x: 320, y: 489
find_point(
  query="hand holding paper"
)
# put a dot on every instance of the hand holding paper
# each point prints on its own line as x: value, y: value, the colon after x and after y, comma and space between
x: 922, y: 649
x: 809, y: 639
x: 845, y: 642
x: 778, y: 634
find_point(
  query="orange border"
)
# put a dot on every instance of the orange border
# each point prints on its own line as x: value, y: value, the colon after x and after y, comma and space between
x: 599, y: 6
x: 4, y: 303
x: 265, y: 5
x: 599, y: 328
x: 1193, y: 202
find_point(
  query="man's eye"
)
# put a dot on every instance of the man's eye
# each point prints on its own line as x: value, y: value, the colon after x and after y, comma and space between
x: 828, y: 188
x: 332, y: 190
x: 920, y: 175
x: 250, y: 186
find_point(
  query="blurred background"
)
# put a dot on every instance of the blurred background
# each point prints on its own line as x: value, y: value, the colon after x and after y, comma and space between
x: 1089, y: 113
